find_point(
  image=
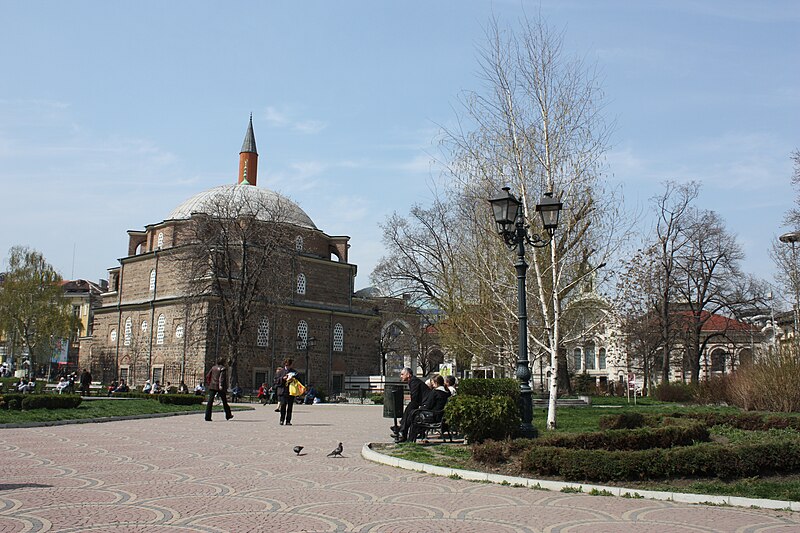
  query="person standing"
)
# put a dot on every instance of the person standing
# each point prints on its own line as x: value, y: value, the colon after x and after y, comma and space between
x: 418, y: 391
x: 217, y: 384
x: 285, y: 399
x: 86, y: 381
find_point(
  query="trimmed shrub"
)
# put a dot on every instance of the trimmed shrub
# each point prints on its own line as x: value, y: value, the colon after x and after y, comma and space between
x: 674, y: 392
x: 49, y: 401
x: 622, y: 421
x: 745, y: 421
x: 12, y: 401
x: 486, y: 388
x: 585, y: 384
x: 376, y: 398
x: 480, y: 418
x: 178, y: 399
x: 493, y: 452
x: 633, y: 439
x: 701, y: 460
x: 137, y: 394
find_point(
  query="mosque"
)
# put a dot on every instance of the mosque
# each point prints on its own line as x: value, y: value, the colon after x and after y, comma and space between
x: 151, y: 325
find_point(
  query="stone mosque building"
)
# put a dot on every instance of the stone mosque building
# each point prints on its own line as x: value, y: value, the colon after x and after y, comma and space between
x: 146, y: 329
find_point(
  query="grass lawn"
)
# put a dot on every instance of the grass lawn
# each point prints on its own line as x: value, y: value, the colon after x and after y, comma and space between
x: 582, y: 419
x: 98, y: 409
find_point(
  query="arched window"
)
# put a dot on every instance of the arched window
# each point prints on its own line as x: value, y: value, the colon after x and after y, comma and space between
x: 588, y: 356
x: 113, y: 335
x: 577, y: 355
x: 162, y: 322
x: 263, y: 332
x: 144, y: 326
x: 746, y: 357
x: 128, y: 331
x: 160, y: 240
x: 301, y: 283
x: 298, y: 243
x: 338, y: 338
x: 302, y: 334
x: 718, y: 360
x: 152, y: 280
x: 602, y: 358
x: 179, y: 331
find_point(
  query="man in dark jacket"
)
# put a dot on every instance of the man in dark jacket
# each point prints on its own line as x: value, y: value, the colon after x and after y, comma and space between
x: 418, y: 391
x: 217, y: 384
x: 86, y: 381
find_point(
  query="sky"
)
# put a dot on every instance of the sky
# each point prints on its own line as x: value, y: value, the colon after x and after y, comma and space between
x: 114, y: 113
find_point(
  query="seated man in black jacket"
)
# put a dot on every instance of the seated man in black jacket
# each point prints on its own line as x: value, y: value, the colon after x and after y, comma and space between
x: 433, y: 406
x: 418, y: 391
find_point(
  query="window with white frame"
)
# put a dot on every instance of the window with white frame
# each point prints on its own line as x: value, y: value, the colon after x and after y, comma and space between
x: 158, y: 374
x: 301, y: 283
x: 263, y: 332
x: 144, y: 326
x: 338, y: 337
x: 152, y: 280
x: 124, y: 372
x: 302, y: 334
x: 577, y: 356
x: 162, y: 322
x: 113, y: 335
x: 602, y: 358
x: 128, y: 331
x: 160, y: 239
x: 298, y: 243
x: 179, y: 331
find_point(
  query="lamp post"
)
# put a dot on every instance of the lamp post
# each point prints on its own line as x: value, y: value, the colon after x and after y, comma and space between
x: 792, y: 238
x: 507, y: 211
x: 307, y: 345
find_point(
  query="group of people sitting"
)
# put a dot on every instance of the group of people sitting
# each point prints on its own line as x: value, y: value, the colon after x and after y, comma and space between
x: 25, y: 386
x: 428, y: 399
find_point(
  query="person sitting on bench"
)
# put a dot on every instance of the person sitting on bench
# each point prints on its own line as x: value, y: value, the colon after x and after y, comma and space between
x: 432, y: 409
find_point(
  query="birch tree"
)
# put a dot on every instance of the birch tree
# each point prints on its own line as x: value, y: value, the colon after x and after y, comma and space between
x: 536, y: 127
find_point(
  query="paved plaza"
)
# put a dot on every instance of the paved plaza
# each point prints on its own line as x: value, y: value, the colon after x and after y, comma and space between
x: 181, y: 474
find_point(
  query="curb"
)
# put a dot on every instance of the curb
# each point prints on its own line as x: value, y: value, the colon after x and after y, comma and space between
x: 682, y: 497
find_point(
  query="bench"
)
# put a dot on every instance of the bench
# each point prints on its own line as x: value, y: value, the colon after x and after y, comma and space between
x: 426, y: 422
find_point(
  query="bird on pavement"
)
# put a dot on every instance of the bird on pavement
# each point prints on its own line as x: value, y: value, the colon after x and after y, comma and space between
x: 336, y: 451
x: 297, y: 449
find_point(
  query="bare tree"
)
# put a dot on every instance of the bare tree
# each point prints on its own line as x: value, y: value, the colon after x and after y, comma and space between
x: 673, y: 208
x: 239, y: 261
x: 708, y: 280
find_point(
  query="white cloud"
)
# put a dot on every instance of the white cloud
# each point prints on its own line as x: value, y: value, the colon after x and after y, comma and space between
x: 284, y: 119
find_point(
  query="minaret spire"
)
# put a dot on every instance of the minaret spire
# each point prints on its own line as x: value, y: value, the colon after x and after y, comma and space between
x: 248, y: 157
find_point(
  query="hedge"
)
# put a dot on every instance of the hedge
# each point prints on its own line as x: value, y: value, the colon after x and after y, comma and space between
x: 622, y: 421
x: 179, y: 399
x: 486, y: 388
x: 480, y: 418
x: 629, y: 439
x: 746, y: 421
x: 701, y: 460
x: 17, y: 401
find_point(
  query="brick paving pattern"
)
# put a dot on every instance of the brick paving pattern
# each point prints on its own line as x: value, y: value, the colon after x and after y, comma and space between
x: 182, y: 474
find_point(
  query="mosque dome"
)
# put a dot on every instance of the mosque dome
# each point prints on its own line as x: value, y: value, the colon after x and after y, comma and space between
x: 251, y: 200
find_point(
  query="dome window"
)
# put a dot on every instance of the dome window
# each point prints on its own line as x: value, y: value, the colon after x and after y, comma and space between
x: 301, y: 283
x: 298, y: 243
x: 160, y: 240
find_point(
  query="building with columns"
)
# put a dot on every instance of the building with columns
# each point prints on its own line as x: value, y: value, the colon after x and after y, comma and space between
x: 151, y: 326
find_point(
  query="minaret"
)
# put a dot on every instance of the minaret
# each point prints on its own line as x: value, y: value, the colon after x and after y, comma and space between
x: 248, y: 157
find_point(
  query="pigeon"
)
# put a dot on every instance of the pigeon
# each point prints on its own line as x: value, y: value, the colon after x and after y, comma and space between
x: 336, y: 451
x: 297, y: 449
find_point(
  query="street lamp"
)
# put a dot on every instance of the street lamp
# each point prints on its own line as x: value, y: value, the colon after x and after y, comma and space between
x: 307, y: 345
x: 792, y: 238
x: 507, y: 211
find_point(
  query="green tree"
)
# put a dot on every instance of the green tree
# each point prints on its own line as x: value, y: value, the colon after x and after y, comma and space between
x: 33, y: 310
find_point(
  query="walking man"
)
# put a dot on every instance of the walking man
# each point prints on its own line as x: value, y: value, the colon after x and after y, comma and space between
x: 217, y: 384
